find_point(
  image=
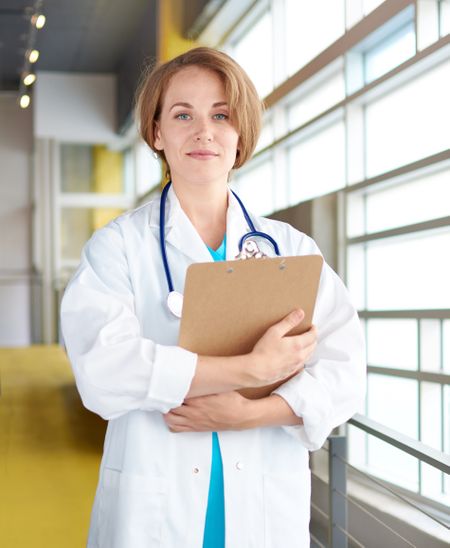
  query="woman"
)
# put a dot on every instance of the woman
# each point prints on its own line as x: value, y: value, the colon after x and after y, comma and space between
x: 165, y: 479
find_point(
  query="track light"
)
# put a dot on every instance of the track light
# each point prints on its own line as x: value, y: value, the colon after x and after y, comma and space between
x: 29, y: 79
x: 25, y: 101
x: 38, y: 20
x: 33, y: 55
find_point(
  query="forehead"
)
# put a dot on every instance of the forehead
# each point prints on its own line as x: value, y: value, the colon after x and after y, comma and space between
x: 195, y: 82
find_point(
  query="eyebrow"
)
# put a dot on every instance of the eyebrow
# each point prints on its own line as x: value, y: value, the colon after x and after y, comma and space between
x: 187, y: 105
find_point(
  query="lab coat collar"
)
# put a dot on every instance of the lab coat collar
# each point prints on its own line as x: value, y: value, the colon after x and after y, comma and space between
x: 181, y: 233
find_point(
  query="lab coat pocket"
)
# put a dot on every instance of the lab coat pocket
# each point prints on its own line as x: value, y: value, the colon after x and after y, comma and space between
x: 131, y: 510
x: 287, y: 510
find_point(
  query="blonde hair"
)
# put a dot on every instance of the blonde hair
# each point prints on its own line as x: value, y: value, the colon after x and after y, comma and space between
x: 244, y: 104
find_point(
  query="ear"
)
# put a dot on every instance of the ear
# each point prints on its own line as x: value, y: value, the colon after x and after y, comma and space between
x: 158, y: 141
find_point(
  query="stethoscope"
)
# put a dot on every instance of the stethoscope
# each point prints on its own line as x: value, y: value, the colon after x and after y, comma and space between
x: 247, y: 249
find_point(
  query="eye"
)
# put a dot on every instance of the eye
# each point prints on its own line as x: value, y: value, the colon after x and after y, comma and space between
x: 182, y: 116
x: 220, y: 116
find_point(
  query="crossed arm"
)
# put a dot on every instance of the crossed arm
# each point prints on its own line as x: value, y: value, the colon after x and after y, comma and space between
x: 213, y: 403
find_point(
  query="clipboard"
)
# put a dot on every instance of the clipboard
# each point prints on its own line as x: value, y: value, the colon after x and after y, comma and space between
x: 228, y: 305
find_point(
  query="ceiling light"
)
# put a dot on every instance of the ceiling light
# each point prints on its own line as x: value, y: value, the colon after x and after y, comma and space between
x: 25, y: 101
x: 33, y: 56
x: 29, y: 79
x: 38, y: 20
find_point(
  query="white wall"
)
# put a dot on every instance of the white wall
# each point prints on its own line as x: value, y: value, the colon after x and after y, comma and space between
x: 75, y: 107
x: 16, y: 138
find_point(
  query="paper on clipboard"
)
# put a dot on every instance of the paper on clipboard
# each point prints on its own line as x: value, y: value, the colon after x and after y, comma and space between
x: 228, y: 305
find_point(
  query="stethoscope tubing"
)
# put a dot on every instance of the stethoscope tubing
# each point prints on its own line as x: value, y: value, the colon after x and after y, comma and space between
x: 162, y: 239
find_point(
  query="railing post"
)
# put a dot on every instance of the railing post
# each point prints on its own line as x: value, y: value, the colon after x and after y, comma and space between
x: 337, y: 484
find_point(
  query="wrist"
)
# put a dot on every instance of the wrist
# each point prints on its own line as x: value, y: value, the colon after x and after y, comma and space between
x: 272, y: 410
x: 245, y: 365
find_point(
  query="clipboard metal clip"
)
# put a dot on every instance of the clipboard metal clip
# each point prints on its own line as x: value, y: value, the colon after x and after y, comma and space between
x: 250, y: 250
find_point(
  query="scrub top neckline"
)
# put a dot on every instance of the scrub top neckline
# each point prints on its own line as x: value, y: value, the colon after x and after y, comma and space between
x: 220, y: 250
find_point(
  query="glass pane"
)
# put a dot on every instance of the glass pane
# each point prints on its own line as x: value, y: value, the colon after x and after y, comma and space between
x: 76, y: 168
x: 370, y: 5
x: 393, y: 465
x: 357, y: 443
x: 356, y: 214
x: 393, y: 402
x: 447, y: 438
x: 316, y: 101
x: 409, y: 272
x: 401, y: 414
x: 355, y: 279
x: 308, y: 31
x: 77, y: 226
x: 444, y: 17
x: 431, y: 419
x: 399, y: 132
x: 148, y: 169
x: 392, y: 343
x: 446, y: 345
x: 254, y: 52
x: 428, y: 198
x: 86, y: 168
x: 431, y: 435
x: 255, y: 188
x: 266, y: 138
x: 317, y: 164
x: 390, y: 53
x: 430, y: 345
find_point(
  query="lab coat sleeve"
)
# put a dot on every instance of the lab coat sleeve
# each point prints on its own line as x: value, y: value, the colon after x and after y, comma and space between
x: 331, y: 388
x: 117, y: 369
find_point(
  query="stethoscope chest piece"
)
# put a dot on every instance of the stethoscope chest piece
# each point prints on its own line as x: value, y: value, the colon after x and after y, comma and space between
x: 250, y: 250
x: 175, y: 303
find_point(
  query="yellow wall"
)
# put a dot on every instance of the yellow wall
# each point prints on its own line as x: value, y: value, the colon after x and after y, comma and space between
x: 107, y: 174
x: 171, y: 41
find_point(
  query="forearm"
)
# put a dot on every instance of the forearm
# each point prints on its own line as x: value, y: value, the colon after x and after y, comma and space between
x: 215, y: 375
x: 270, y: 411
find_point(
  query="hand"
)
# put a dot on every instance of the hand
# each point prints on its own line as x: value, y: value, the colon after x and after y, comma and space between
x: 277, y: 356
x: 226, y: 411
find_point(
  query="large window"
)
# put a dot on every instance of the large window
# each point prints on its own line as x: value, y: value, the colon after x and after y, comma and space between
x: 308, y: 32
x: 369, y: 121
x: 417, y: 115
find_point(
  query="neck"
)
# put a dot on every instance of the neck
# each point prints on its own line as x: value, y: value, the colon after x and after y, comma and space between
x: 206, y: 206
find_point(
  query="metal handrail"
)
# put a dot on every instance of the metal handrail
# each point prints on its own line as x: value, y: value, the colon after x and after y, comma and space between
x: 412, y: 447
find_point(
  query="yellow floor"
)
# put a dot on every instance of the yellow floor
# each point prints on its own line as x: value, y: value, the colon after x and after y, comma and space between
x: 50, y: 449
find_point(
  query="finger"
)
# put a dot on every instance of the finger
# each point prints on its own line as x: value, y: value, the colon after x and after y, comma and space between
x: 305, y: 339
x: 288, y: 322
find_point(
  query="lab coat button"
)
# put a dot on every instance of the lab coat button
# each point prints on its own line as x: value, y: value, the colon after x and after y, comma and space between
x: 239, y: 465
x: 196, y: 470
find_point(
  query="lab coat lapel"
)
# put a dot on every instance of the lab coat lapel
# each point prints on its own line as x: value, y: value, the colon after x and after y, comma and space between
x: 180, y: 232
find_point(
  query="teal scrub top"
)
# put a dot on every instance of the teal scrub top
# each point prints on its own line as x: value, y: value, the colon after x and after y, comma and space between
x: 214, y: 535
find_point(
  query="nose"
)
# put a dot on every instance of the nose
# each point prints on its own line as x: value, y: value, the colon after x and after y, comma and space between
x: 203, y: 131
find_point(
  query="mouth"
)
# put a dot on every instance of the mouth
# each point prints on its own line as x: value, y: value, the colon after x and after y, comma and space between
x: 202, y: 154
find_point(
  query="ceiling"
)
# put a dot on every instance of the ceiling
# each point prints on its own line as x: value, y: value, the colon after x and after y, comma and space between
x: 79, y: 36
x: 97, y: 36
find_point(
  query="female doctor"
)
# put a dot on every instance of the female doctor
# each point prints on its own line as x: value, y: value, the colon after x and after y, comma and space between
x: 188, y: 462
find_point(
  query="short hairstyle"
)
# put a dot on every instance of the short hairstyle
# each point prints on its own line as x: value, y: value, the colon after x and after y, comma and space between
x: 243, y: 101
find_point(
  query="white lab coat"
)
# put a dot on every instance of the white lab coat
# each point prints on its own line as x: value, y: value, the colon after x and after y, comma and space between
x: 121, y: 340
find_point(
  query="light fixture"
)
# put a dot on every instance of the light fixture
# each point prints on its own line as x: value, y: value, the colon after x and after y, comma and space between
x: 38, y: 20
x: 29, y: 79
x: 33, y: 55
x: 25, y: 101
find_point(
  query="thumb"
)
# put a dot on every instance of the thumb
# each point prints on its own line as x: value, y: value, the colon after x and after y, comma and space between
x: 289, y: 321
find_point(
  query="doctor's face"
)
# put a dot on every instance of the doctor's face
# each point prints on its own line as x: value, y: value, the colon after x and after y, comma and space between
x: 194, y: 129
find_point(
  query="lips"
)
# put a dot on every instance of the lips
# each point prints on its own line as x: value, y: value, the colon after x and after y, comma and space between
x: 202, y: 154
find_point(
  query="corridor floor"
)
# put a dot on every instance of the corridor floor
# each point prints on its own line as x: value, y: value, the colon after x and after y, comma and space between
x: 50, y: 449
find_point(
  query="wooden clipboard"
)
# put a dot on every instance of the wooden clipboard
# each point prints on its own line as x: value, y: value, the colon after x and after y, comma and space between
x: 228, y: 305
